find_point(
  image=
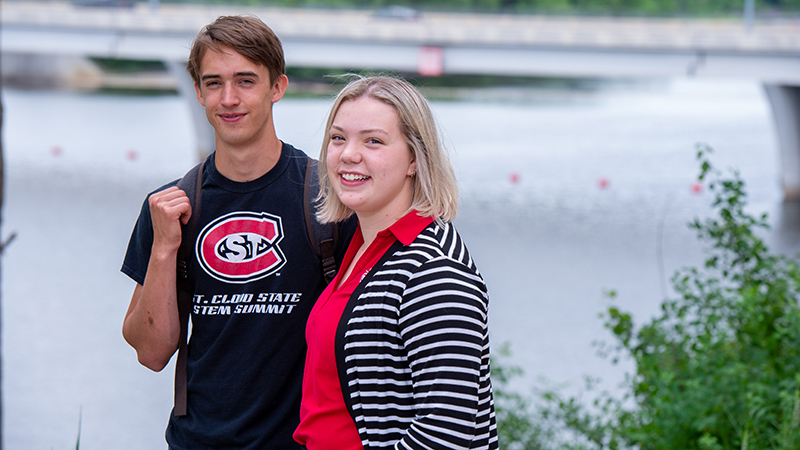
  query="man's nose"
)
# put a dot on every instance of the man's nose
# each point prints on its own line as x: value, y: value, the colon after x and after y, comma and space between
x: 229, y: 95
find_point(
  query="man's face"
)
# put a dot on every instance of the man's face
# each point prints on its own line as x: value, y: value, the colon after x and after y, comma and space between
x: 238, y: 96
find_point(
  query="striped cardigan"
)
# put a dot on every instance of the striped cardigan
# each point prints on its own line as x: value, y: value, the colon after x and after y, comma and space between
x: 412, y: 349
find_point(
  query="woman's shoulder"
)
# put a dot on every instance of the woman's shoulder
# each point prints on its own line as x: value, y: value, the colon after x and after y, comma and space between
x: 438, y: 244
x: 441, y: 240
x: 446, y: 268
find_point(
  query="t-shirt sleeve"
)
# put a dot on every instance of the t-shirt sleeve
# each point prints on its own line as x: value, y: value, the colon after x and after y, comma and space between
x: 141, y: 242
x: 137, y: 257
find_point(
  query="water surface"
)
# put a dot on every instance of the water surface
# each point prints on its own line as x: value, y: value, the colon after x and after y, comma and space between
x: 546, y: 236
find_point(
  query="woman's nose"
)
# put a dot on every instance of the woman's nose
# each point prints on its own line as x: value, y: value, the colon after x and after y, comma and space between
x: 350, y: 153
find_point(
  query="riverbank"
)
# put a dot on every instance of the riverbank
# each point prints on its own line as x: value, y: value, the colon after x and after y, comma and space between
x: 77, y: 73
x: 93, y: 75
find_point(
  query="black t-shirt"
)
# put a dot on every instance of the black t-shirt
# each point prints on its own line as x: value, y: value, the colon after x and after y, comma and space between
x: 256, y: 280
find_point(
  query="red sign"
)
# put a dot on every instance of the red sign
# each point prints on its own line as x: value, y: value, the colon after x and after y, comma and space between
x: 431, y: 61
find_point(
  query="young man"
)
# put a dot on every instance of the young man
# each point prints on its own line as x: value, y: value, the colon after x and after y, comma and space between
x: 254, y: 273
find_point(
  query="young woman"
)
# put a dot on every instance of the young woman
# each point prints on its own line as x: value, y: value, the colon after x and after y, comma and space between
x: 398, y: 343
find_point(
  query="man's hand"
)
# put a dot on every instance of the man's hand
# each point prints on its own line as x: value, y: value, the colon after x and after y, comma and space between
x: 169, y: 209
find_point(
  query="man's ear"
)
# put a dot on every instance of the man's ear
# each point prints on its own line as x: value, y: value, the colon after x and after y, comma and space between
x: 279, y: 88
x: 199, y: 95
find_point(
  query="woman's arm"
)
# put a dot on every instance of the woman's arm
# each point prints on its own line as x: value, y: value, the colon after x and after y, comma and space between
x: 444, y: 327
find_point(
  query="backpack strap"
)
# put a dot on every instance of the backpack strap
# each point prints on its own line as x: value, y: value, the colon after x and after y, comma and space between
x: 191, y: 184
x: 323, y: 237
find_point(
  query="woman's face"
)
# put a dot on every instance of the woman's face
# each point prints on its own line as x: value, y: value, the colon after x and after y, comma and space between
x: 370, y: 167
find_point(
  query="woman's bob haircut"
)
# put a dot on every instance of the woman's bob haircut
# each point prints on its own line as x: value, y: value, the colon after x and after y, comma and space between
x: 435, y: 186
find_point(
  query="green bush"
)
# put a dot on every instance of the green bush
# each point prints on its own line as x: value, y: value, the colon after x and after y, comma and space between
x: 527, y: 423
x: 718, y: 367
x: 520, y: 425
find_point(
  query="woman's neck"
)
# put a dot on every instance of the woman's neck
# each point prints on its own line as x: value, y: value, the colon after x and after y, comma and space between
x: 372, y: 225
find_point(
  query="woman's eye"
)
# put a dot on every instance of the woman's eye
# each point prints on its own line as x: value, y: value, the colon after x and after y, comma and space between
x: 374, y: 141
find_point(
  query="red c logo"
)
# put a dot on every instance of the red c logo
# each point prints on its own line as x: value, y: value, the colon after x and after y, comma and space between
x: 240, y: 247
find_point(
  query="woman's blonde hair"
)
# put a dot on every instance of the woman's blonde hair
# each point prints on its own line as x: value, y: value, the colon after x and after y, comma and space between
x: 435, y: 186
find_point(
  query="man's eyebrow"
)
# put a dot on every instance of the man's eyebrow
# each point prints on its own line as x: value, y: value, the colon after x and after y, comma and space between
x: 245, y: 74
x: 237, y: 74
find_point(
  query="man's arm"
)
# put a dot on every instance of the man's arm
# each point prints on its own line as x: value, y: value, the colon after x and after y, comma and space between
x: 151, y: 324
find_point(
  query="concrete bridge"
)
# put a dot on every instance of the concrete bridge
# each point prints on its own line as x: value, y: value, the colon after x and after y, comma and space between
x: 436, y: 44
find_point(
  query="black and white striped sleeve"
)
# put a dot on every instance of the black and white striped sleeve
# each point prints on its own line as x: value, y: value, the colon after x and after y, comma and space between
x: 444, y: 329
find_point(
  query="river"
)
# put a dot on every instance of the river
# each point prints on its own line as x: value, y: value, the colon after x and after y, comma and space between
x: 566, y: 193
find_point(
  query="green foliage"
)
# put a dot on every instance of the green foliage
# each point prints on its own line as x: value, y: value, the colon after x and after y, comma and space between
x: 113, y: 65
x: 80, y: 421
x: 519, y: 424
x: 719, y: 367
x: 548, y: 6
x: 523, y: 424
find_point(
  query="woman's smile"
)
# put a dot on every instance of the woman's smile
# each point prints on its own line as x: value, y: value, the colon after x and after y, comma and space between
x: 368, y: 152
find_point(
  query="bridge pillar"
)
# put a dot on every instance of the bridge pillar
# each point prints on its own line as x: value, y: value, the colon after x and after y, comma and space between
x: 785, y: 102
x: 204, y: 133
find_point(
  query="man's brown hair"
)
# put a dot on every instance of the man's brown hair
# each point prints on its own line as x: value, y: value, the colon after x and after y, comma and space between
x: 247, y: 35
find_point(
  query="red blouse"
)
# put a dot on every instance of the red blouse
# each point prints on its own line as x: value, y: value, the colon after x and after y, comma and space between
x: 324, y: 418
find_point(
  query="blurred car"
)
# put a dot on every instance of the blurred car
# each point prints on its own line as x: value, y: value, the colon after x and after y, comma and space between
x: 397, y: 12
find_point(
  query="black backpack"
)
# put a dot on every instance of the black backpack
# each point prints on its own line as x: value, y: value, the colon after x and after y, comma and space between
x: 323, y: 238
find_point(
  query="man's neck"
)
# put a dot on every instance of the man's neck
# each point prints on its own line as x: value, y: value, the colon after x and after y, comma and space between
x: 243, y: 164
